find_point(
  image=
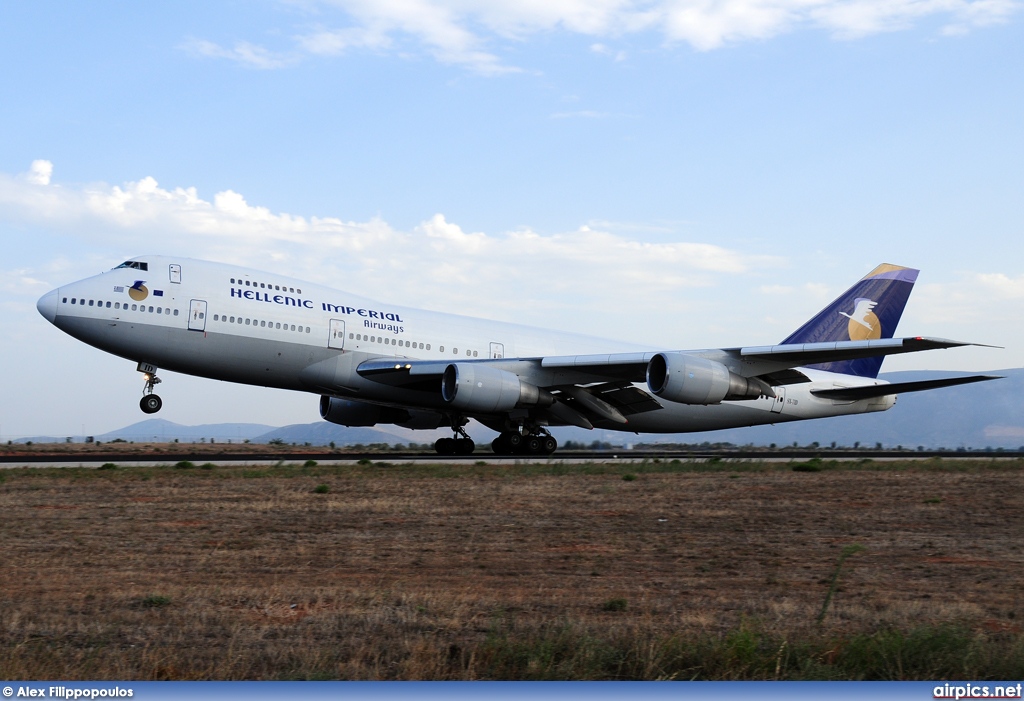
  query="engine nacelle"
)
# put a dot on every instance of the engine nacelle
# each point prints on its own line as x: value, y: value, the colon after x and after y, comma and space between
x: 690, y: 379
x: 485, y: 389
x: 347, y: 412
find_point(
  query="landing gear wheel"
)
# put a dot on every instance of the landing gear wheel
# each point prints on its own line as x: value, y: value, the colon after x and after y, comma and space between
x: 151, y: 404
x: 532, y: 445
x: 548, y: 445
x: 464, y: 446
x: 500, y: 445
x: 514, y: 441
x: 445, y: 446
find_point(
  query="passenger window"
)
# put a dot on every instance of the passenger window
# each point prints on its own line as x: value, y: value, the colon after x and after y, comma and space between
x: 90, y: 302
x: 232, y: 320
x: 475, y: 354
x: 350, y: 336
x: 133, y: 307
x: 167, y: 311
x: 216, y: 317
x: 65, y: 300
x: 108, y: 305
x: 468, y: 353
x: 232, y: 281
x: 293, y: 327
x: 175, y: 312
x: 298, y: 292
x: 428, y: 347
x: 159, y: 310
x: 440, y: 349
x: 307, y: 329
x: 247, y: 322
x: 263, y: 323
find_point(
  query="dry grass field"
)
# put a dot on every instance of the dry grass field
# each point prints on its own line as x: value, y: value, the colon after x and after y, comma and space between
x: 659, y: 570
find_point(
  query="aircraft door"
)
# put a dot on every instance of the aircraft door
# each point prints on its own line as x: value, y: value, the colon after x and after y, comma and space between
x: 337, y: 337
x: 780, y: 400
x: 174, y: 273
x: 497, y: 350
x: 197, y: 315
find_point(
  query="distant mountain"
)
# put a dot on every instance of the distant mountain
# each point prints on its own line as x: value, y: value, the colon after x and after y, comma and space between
x: 159, y: 430
x: 325, y: 433
x: 986, y: 414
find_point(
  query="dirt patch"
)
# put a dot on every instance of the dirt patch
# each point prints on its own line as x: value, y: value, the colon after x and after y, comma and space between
x: 394, y: 574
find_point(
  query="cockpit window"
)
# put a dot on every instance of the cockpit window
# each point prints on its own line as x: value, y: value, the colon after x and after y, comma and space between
x: 137, y: 265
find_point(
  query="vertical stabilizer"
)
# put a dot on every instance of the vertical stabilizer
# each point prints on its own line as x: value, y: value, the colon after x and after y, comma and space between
x: 870, y: 309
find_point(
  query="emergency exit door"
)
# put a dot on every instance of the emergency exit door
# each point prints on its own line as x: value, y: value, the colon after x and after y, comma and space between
x: 780, y: 400
x: 337, y: 337
x: 197, y: 315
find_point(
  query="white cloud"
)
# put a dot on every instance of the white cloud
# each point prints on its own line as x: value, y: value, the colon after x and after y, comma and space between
x: 39, y: 173
x: 243, y: 53
x: 585, y: 114
x: 459, y: 32
x: 436, y: 264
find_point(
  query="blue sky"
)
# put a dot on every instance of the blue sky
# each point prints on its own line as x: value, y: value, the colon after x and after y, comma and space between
x: 685, y: 174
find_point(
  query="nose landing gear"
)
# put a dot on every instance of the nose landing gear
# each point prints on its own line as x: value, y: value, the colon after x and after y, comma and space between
x: 150, y: 403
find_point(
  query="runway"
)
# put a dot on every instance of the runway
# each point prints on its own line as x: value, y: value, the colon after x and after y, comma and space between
x: 126, y: 459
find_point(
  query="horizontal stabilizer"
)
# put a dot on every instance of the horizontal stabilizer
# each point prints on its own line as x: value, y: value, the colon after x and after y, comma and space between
x: 869, y: 391
x: 804, y: 354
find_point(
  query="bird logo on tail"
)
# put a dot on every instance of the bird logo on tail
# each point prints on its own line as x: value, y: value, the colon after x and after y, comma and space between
x: 864, y: 325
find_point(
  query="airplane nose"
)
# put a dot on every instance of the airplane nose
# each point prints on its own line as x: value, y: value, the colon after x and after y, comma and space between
x: 47, y: 305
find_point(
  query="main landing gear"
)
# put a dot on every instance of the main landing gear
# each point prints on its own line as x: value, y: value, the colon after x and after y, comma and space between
x: 459, y: 444
x: 534, y: 442
x: 150, y: 403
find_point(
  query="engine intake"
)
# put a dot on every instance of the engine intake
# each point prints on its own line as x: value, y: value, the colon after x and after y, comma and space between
x: 481, y: 388
x: 690, y: 379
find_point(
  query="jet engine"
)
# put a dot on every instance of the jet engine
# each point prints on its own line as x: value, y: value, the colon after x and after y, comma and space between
x: 690, y: 379
x: 347, y: 412
x: 480, y: 388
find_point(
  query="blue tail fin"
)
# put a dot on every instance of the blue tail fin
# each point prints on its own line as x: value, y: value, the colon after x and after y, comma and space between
x: 868, y: 310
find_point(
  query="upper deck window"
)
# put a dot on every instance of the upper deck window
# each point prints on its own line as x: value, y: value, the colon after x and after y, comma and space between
x: 135, y: 264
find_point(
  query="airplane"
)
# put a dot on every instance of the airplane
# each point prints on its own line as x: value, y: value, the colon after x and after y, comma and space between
x: 376, y: 363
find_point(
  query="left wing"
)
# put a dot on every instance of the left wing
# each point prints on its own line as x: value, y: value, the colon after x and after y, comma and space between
x: 748, y: 362
x: 581, y: 389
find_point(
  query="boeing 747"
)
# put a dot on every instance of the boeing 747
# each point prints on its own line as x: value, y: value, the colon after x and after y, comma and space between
x: 375, y: 363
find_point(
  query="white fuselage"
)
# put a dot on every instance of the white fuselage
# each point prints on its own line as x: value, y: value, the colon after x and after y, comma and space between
x: 240, y: 325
